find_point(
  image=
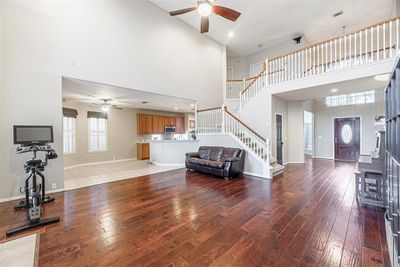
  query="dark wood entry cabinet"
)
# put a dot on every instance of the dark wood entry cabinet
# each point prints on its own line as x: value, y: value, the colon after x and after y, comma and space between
x: 155, y: 124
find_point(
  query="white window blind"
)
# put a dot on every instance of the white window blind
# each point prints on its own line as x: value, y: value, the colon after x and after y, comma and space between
x: 97, y: 134
x: 69, y: 135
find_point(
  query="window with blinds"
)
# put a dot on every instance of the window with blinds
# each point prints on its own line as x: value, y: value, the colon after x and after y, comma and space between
x: 69, y: 135
x: 97, y: 134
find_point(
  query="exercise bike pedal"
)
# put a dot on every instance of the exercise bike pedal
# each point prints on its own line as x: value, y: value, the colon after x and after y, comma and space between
x: 21, y: 205
x: 47, y: 200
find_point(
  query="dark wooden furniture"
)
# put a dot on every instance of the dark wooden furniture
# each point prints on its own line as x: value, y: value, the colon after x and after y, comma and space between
x: 392, y: 160
x: 155, y: 124
x: 143, y: 151
x: 307, y: 217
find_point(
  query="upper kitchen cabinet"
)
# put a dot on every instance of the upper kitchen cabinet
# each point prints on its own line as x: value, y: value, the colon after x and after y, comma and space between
x: 169, y: 121
x: 180, y: 125
x: 158, y: 124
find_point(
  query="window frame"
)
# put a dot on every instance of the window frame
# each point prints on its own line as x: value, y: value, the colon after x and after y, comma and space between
x: 358, y: 98
x: 73, y: 135
x: 97, y: 150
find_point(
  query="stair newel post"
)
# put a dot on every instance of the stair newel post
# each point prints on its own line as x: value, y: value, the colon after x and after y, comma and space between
x: 223, y: 118
x: 266, y: 71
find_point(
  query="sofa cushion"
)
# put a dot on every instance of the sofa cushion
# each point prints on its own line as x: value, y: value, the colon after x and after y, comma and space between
x: 198, y: 161
x: 230, y: 152
x: 207, y: 163
x: 204, y: 152
x: 216, y: 153
x: 216, y: 164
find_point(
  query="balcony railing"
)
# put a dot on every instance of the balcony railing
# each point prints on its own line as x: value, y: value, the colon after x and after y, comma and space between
x: 374, y: 43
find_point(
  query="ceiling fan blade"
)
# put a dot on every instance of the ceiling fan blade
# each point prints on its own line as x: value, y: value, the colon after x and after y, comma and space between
x: 205, y: 23
x: 182, y: 11
x: 226, y: 12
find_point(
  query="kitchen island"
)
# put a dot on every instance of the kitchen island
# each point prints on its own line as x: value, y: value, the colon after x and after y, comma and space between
x: 171, y: 152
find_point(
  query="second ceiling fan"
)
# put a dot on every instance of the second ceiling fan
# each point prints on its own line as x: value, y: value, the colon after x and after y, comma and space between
x: 205, y: 8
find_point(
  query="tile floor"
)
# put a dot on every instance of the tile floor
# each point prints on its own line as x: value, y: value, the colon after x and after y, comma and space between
x: 82, y: 176
x: 18, y: 252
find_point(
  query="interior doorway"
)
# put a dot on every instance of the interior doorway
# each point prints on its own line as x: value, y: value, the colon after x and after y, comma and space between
x: 347, y: 138
x: 279, y: 139
x: 308, y: 133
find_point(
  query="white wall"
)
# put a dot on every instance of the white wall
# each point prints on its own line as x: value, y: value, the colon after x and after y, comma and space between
x: 324, y: 125
x: 296, y: 132
x: 239, y: 66
x: 131, y: 44
x: 255, y: 113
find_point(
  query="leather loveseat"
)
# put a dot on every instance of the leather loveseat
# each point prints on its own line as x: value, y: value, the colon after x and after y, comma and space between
x: 226, y: 162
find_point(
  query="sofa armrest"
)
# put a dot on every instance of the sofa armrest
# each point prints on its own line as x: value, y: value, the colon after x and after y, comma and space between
x: 192, y: 155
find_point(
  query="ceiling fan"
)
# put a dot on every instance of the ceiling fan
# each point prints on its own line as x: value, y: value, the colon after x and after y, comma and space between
x: 205, y: 8
x: 106, y: 106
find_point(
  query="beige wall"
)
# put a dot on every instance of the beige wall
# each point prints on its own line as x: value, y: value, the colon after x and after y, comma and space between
x: 121, y: 139
x: 296, y: 132
x: 323, y: 129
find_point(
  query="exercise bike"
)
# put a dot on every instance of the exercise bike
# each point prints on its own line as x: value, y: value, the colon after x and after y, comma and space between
x: 35, y: 194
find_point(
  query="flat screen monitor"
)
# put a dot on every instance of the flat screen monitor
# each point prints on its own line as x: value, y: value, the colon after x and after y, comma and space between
x: 33, y: 134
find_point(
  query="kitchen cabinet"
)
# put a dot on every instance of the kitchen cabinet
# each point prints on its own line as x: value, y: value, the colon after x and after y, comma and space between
x: 155, y: 124
x: 141, y: 124
x: 158, y: 124
x: 169, y: 121
x: 180, y: 125
x: 143, y: 151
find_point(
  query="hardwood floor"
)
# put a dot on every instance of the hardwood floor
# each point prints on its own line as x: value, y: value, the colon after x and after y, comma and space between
x: 307, y: 216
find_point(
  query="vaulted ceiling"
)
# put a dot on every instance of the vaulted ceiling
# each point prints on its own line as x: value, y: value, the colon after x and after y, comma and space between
x: 272, y: 22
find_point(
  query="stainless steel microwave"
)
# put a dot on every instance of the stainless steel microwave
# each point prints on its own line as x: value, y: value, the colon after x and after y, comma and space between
x: 169, y: 129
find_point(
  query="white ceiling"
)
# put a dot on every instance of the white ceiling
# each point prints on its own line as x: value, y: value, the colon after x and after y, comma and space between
x: 92, y: 93
x: 272, y: 22
x: 318, y: 92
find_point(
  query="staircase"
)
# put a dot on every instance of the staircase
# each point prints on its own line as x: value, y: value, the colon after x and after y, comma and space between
x: 222, y: 121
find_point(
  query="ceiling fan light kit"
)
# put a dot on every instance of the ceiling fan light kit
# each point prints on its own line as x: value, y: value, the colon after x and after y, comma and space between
x: 205, y: 9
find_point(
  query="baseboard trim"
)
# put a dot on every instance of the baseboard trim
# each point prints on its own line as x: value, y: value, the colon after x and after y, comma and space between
x: 323, y: 158
x: 256, y: 175
x: 21, y: 196
x: 97, y: 163
x: 294, y: 162
x: 169, y: 164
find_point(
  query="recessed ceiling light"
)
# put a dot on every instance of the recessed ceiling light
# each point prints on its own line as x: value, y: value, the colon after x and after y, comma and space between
x: 204, y: 9
x: 192, y: 105
x: 334, y: 90
x: 175, y: 108
x: 231, y: 34
x: 382, y: 77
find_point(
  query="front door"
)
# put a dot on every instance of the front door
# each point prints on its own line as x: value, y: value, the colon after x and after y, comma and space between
x: 347, y: 138
x: 279, y: 141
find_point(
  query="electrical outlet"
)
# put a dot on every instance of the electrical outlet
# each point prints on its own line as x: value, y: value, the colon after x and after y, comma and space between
x: 53, y: 186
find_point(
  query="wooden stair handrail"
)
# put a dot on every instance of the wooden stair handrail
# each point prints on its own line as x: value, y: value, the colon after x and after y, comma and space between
x: 337, y: 37
x: 258, y: 76
x: 208, y: 109
x: 244, y: 124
